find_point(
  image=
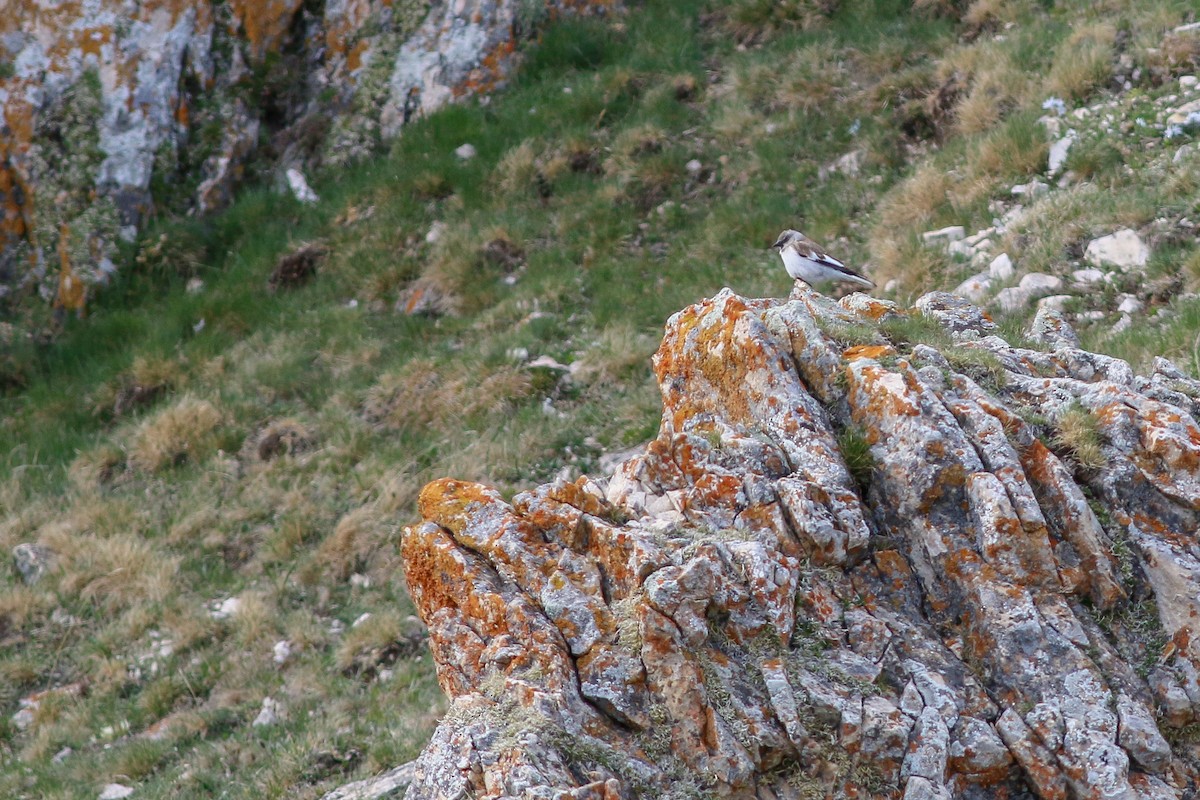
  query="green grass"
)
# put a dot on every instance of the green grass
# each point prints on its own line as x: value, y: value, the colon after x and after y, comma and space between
x: 159, y: 508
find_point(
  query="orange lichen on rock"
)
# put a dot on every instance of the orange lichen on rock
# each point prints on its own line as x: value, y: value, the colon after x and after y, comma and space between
x: 265, y: 22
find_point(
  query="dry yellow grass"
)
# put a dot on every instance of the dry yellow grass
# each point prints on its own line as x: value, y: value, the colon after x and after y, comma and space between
x: 619, y: 352
x: 365, y: 644
x: 426, y: 393
x: 358, y: 535
x: 1079, y: 434
x: 114, y: 573
x: 183, y: 431
x: 915, y: 201
x: 1084, y: 62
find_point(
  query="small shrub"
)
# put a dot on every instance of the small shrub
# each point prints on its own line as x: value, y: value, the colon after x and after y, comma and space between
x: 297, y: 267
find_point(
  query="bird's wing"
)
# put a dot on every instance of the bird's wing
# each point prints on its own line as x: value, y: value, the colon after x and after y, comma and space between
x: 814, y: 252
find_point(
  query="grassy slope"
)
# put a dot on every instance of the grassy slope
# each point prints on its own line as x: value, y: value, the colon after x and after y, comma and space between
x: 155, y: 512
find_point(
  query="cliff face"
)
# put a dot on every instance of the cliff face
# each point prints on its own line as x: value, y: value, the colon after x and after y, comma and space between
x: 111, y: 108
x: 872, y: 553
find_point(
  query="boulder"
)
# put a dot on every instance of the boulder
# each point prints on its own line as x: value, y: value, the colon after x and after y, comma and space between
x: 1123, y: 249
x: 884, y: 568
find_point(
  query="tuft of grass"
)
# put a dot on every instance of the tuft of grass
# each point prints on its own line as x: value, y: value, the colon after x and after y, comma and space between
x: 856, y: 452
x: 187, y: 430
x: 1078, y: 433
x: 1084, y: 62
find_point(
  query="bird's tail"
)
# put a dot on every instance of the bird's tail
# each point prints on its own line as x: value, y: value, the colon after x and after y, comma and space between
x: 859, y: 280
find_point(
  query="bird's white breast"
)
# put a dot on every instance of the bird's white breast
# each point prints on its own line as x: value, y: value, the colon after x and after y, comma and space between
x: 799, y: 267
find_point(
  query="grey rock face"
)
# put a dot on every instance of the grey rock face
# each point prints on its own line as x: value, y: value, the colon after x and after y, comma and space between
x: 873, y: 566
x: 103, y: 96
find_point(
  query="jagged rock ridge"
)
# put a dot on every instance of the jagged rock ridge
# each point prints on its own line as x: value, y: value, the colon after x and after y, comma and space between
x: 871, y: 553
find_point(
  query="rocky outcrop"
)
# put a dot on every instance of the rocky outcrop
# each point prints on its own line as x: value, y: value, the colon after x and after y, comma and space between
x: 871, y: 553
x: 111, y: 108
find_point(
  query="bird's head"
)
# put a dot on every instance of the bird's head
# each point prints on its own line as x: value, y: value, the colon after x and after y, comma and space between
x: 787, y: 237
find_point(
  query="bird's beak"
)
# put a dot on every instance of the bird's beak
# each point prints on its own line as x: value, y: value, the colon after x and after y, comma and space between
x: 778, y: 244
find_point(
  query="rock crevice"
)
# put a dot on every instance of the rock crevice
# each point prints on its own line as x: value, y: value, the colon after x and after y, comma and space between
x: 872, y: 552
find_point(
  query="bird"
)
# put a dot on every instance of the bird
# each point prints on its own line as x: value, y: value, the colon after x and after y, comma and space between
x: 807, y: 261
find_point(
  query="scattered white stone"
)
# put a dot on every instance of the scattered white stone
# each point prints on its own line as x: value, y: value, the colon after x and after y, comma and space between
x: 1012, y: 299
x: 960, y: 249
x: 1181, y: 114
x: 979, y: 236
x: 1011, y: 217
x: 1001, y: 268
x: 300, y: 188
x: 693, y: 166
x: 1057, y: 302
x: 1058, y: 152
x: 282, y: 651
x: 891, y: 285
x: 268, y: 715
x: 115, y: 791
x: 517, y: 353
x: 849, y: 164
x: 951, y: 234
x: 1123, y: 324
x: 1129, y: 304
x: 1088, y: 277
x: 465, y: 151
x: 546, y: 362
x: 1039, y: 284
x: 436, y: 231
x: 63, y: 619
x: 195, y: 286
x: 352, y: 303
x: 199, y: 326
x: 975, y: 288
x: 336, y: 627
x: 1188, y: 82
x: 61, y: 755
x: 1191, y: 26
x: 1123, y: 249
x: 1052, y: 125
x: 360, y: 581
x: 1031, y: 189
x: 1182, y: 153
x: 224, y: 609
x: 24, y: 717
x: 363, y: 617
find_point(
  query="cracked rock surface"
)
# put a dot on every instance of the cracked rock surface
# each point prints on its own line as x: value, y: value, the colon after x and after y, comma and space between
x: 852, y: 564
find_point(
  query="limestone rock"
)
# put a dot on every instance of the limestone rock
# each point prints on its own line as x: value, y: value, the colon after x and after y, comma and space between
x: 1123, y: 249
x: 1001, y: 267
x: 390, y: 784
x: 944, y: 617
x: 975, y: 288
x: 1059, y: 151
x: 33, y: 561
x: 951, y: 234
x: 100, y: 97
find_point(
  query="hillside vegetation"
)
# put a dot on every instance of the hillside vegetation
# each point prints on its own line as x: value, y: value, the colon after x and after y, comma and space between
x: 216, y: 464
